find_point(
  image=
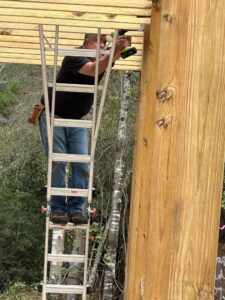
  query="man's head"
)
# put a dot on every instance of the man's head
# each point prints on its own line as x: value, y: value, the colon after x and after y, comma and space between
x: 90, y: 41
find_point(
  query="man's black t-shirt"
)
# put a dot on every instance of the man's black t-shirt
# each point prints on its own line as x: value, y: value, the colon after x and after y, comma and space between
x: 72, y: 105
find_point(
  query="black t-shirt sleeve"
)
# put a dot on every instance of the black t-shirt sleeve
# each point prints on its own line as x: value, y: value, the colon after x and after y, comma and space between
x: 73, y: 64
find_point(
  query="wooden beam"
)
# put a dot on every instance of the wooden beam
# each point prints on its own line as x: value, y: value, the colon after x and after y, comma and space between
x: 6, y: 27
x: 62, y: 42
x: 21, y: 49
x: 19, y: 21
x: 102, y: 3
x: 50, y: 57
x: 138, y: 225
x: 50, y: 63
x: 71, y: 16
x: 78, y: 36
x: 178, y: 167
x: 76, y: 8
x: 67, y: 22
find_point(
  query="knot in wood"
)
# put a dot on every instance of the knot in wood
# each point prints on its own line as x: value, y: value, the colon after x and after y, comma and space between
x: 155, y: 4
x: 167, y: 18
x: 165, y: 121
x: 145, y: 141
x: 112, y: 16
x: 205, y: 293
x: 78, y: 13
x: 161, y: 122
x: 163, y: 95
x: 4, y: 32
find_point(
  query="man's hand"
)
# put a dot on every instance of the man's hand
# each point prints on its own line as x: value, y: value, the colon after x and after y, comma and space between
x: 121, y: 43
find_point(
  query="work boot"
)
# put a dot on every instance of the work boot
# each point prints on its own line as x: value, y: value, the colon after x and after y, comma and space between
x: 58, y: 217
x: 77, y: 218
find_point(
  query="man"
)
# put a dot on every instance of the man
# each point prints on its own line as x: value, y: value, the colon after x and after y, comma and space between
x: 74, y: 70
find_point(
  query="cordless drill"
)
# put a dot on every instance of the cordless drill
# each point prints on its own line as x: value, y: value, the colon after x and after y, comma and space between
x: 128, y: 51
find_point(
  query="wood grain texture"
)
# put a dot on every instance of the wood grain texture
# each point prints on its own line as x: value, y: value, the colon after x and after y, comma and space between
x: 116, y: 3
x: 8, y: 27
x: 76, y: 8
x: 19, y: 21
x: 32, y: 61
x: 64, y: 42
x: 33, y: 36
x: 138, y: 226
x: 74, y: 16
x: 182, y: 188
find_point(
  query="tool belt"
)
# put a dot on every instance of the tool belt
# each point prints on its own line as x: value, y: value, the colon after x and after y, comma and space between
x: 37, y: 110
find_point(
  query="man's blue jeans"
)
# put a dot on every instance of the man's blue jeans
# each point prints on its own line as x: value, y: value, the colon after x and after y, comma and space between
x: 72, y: 141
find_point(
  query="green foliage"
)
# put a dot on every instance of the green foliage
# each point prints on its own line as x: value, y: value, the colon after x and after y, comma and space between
x: 9, y: 96
x: 22, y: 176
x: 20, y: 240
x: 20, y: 291
x: 96, y: 230
x: 107, y: 258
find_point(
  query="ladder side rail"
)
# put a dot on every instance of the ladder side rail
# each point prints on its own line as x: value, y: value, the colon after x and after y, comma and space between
x: 94, y: 118
x: 50, y: 158
x: 47, y: 41
x: 54, y: 80
x: 91, y: 172
x: 104, y: 91
x: 46, y: 99
x: 45, y: 81
x: 47, y: 112
x: 84, y: 295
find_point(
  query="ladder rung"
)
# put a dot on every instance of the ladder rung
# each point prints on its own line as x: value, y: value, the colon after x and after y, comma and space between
x: 71, y: 157
x: 68, y: 226
x: 75, y: 88
x: 64, y: 289
x: 69, y: 192
x: 66, y: 257
x: 78, y: 52
x: 72, y: 123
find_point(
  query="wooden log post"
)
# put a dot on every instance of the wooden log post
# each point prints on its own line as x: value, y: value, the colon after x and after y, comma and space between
x: 178, y: 168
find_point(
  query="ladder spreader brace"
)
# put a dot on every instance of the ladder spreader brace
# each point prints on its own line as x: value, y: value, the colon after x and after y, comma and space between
x: 94, y: 126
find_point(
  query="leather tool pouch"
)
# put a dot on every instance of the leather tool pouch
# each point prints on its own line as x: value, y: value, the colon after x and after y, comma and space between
x: 37, y: 110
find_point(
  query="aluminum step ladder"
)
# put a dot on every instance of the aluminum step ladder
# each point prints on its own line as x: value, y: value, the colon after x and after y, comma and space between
x: 93, y: 125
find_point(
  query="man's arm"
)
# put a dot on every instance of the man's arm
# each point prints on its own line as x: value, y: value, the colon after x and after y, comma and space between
x: 89, y: 68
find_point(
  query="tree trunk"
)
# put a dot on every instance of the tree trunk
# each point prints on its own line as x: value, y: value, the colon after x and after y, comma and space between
x: 58, y: 242
x: 115, y: 216
x: 93, y: 271
x: 58, y: 237
x: 76, y: 270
